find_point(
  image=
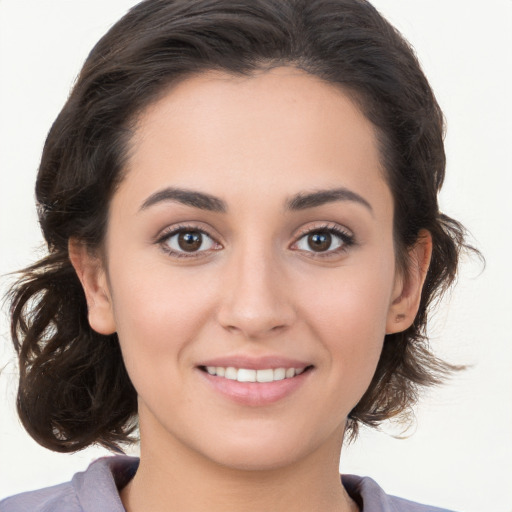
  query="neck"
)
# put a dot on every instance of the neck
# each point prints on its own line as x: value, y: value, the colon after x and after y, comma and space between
x: 173, y: 477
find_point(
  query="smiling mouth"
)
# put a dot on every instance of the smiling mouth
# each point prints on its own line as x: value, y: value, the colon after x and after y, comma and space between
x: 251, y: 375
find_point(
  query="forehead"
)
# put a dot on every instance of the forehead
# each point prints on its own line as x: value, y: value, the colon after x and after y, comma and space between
x: 282, y: 126
x: 217, y: 101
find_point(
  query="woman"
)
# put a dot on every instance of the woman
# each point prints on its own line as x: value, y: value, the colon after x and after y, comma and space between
x: 240, y: 205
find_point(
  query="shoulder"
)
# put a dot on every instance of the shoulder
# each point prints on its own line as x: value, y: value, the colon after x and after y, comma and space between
x: 93, y: 490
x: 59, y: 498
x: 371, y: 497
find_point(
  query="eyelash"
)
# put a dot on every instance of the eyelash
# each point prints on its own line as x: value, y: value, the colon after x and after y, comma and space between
x: 347, y: 240
x: 167, y: 235
x: 346, y: 237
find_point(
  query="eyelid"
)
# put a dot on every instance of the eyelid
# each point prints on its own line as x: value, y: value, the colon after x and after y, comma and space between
x: 184, y: 226
x: 323, y: 225
x: 345, y: 234
x: 170, y: 231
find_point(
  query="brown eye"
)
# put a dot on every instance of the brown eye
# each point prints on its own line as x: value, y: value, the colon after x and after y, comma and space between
x: 190, y: 241
x: 320, y: 241
x: 324, y: 241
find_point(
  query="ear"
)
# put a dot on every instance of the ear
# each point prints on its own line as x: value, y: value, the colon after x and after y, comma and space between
x: 408, y: 287
x: 90, y: 270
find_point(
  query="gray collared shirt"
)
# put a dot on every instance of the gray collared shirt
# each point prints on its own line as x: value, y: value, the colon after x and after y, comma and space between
x: 96, y: 490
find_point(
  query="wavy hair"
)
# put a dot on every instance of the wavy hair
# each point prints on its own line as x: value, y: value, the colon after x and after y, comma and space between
x: 73, y: 386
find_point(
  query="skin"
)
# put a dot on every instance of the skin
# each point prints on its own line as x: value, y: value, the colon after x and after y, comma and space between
x: 256, y: 287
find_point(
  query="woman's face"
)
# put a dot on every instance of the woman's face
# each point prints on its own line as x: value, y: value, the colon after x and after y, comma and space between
x: 251, y: 238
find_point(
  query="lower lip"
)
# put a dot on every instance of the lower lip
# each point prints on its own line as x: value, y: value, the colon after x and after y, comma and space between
x: 255, y: 393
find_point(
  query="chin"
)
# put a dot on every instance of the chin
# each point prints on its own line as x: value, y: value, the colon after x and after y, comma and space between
x: 259, y: 459
x: 256, y: 451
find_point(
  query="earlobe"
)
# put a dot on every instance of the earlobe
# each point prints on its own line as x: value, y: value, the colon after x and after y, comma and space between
x: 91, y: 273
x: 408, y: 287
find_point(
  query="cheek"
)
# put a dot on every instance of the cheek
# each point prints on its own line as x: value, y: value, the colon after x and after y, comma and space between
x: 157, y: 312
x: 356, y: 331
x: 348, y: 311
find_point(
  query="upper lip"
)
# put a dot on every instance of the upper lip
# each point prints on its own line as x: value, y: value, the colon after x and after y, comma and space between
x: 255, y: 363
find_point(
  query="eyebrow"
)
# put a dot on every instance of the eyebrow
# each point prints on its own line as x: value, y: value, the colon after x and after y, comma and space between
x: 187, y: 197
x: 300, y: 201
x: 304, y: 200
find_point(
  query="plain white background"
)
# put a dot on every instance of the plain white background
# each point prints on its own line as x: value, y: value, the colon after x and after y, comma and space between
x: 459, y: 451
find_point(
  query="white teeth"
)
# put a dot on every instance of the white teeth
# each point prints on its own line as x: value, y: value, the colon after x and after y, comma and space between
x: 250, y: 375
x: 265, y: 375
x: 245, y: 375
x: 279, y: 374
x: 231, y: 373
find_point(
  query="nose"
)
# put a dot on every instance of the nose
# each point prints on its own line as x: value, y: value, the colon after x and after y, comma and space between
x: 255, y: 300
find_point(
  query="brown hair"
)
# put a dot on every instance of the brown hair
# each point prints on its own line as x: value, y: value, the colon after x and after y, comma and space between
x: 73, y: 388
